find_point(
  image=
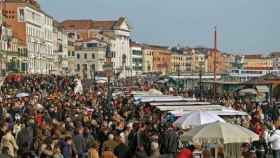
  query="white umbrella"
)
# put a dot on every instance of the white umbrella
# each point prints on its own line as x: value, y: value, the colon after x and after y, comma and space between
x: 220, y: 133
x: 248, y: 91
x: 197, y: 118
x: 20, y: 95
x: 154, y: 92
x: 101, y: 81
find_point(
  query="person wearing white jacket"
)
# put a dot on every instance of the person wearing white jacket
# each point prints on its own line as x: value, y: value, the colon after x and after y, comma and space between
x: 274, y: 141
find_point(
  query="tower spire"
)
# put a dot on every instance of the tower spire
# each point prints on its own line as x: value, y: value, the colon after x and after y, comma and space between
x: 215, y: 61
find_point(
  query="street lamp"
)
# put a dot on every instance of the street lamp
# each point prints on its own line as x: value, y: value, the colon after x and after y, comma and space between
x: 200, y: 80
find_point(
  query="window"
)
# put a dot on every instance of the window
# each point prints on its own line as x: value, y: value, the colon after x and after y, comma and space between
x: 92, y: 67
x: 92, y: 56
x: 33, y: 16
x: 73, y: 53
x: 92, y: 45
x: 78, y: 56
x: 78, y: 67
x: 69, y: 53
x: 21, y: 14
x: 85, y: 55
x: 84, y: 67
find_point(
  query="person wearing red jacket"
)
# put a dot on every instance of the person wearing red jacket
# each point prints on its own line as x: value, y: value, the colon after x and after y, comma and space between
x: 186, y: 152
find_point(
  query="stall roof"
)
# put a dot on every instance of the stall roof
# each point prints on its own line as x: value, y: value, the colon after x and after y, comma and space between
x: 223, y: 112
x: 191, y: 108
x: 149, y: 99
x: 179, y: 103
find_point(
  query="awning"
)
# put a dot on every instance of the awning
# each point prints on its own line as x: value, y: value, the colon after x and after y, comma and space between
x: 262, y: 89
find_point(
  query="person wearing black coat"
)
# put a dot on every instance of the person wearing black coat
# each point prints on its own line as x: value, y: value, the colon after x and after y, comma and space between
x: 169, y: 142
x: 121, y: 150
x: 25, y: 140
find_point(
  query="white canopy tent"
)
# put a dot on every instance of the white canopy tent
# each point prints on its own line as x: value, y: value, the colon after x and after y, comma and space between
x: 224, y: 111
x: 185, y: 103
x: 164, y: 98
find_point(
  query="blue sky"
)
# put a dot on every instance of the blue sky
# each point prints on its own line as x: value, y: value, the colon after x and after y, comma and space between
x: 249, y: 26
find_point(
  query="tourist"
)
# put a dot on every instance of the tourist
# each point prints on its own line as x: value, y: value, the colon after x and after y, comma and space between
x: 155, y: 150
x: 79, y: 142
x: 108, y: 153
x: 186, y: 152
x: 121, y: 150
x: 274, y: 140
x: 68, y: 149
x: 8, y: 141
x: 93, y: 150
x: 110, y: 143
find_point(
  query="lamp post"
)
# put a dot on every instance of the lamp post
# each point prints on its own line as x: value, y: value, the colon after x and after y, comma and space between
x: 108, y: 68
x: 200, y: 80
x: 178, y: 74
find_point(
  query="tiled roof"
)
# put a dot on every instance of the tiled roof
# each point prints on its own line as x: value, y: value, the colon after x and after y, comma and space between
x: 253, y: 56
x: 92, y: 24
x: 275, y: 54
x: 30, y: 3
x: 103, y: 25
x: 134, y: 44
x: 155, y: 46
x: 77, y: 24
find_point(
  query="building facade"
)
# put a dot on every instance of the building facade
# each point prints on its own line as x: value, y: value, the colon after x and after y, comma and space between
x: 161, y: 59
x: 275, y: 60
x: 34, y: 28
x: 118, y: 32
x: 147, y: 59
x: 229, y: 60
x: 71, y: 59
x: 220, y: 62
x: 12, y: 52
x: 179, y: 62
x: 258, y: 62
x: 60, y: 43
x: 90, y: 57
x: 137, y: 58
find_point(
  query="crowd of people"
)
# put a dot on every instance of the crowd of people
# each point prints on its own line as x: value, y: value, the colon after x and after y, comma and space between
x: 46, y: 116
x: 50, y: 116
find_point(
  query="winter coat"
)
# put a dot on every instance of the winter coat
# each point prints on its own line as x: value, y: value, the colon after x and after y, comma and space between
x: 122, y: 151
x: 111, y: 144
x: 80, y: 143
x: 109, y: 154
x: 8, y: 141
x: 25, y: 140
x: 93, y: 153
x: 274, y: 139
x: 169, y: 142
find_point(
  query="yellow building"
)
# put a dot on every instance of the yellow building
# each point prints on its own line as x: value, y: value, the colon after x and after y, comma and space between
x: 147, y: 59
x: 179, y: 62
x: 257, y: 62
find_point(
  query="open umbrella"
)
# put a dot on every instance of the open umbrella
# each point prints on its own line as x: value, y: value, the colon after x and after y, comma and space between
x: 20, y: 95
x: 197, y: 118
x: 101, y: 81
x: 220, y: 133
x: 248, y: 91
x: 154, y: 92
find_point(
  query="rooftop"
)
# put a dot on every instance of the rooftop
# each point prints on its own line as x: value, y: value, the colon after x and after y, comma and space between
x: 87, y: 24
x: 151, y: 46
x: 134, y: 44
x: 253, y: 56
